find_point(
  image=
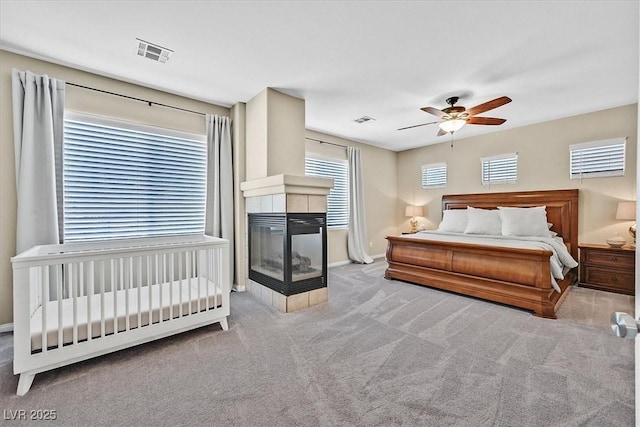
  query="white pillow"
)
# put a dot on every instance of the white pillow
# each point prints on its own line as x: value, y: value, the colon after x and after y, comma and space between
x: 453, y: 220
x: 524, y: 221
x: 483, y: 221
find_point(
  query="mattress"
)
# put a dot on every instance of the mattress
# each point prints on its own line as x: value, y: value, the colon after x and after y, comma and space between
x: 169, y: 300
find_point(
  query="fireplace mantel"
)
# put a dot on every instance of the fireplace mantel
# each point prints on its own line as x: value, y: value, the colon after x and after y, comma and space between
x: 286, y: 184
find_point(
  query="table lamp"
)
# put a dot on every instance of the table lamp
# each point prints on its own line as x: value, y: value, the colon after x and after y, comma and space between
x: 413, y: 212
x: 627, y: 212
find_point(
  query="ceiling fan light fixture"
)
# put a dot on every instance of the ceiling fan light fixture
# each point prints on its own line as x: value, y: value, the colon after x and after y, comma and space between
x: 452, y: 125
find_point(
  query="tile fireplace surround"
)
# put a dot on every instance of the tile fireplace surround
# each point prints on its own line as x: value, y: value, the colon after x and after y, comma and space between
x: 286, y: 194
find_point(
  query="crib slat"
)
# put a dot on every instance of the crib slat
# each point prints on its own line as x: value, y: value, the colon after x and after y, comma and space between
x: 170, y: 286
x: 150, y: 288
x: 74, y: 294
x: 44, y: 300
x: 89, y: 301
x: 159, y: 279
x: 180, y: 281
x: 196, y: 275
x: 59, y: 296
x: 139, y: 292
x: 127, y: 286
x: 219, y: 274
x: 102, y: 302
x: 114, y: 289
x: 204, y: 272
x: 187, y: 261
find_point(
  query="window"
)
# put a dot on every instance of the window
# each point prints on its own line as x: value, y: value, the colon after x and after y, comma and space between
x: 597, y: 158
x: 338, y: 199
x: 501, y: 169
x: 434, y: 175
x: 122, y: 180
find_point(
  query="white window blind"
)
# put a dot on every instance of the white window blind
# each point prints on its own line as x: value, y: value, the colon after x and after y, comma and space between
x: 598, y: 158
x: 500, y: 169
x: 124, y: 180
x: 338, y: 199
x: 434, y: 175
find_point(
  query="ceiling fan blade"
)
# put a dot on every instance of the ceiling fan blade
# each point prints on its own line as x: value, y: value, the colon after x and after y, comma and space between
x: 485, y: 121
x: 489, y: 105
x: 415, y: 126
x: 435, y: 112
x: 442, y: 132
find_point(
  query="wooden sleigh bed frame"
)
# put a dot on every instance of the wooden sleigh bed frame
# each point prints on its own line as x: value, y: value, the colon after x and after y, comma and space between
x: 516, y: 277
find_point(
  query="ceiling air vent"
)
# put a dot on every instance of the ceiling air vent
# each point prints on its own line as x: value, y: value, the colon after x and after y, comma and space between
x: 364, y: 119
x: 153, y: 51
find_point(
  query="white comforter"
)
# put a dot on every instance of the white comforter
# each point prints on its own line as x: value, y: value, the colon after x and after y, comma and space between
x: 561, y: 260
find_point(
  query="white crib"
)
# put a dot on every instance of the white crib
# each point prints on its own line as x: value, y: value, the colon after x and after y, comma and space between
x: 76, y: 301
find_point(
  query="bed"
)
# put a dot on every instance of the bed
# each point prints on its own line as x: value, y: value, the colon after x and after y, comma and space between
x: 519, y: 277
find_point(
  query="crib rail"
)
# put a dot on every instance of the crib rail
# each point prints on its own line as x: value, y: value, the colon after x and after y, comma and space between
x: 75, y: 301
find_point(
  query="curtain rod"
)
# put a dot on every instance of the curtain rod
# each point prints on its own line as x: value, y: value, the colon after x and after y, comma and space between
x: 137, y: 99
x: 325, y: 142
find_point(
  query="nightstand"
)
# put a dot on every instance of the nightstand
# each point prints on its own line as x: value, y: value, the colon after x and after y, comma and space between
x: 608, y: 269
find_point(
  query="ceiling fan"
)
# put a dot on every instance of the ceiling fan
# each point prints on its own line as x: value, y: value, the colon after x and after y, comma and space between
x: 454, y: 117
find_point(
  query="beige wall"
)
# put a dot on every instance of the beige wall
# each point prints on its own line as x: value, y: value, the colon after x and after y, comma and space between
x: 84, y: 101
x: 391, y: 179
x: 379, y: 176
x: 275, y: 127
x: 543, y: 163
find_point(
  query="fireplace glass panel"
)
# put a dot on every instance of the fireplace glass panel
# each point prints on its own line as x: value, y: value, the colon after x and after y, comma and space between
x: 306, y: 256
x: 267, y: 254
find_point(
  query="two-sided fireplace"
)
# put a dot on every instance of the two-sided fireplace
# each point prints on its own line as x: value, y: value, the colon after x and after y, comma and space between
x: 288, y: 251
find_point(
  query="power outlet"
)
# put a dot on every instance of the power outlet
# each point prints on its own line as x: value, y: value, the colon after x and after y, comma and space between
x: 370, y: 244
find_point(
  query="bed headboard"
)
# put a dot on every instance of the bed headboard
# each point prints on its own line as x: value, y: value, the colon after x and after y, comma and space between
x: 562, y: 208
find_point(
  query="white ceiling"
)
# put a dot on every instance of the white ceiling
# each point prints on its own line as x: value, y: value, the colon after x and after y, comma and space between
x: 383, y: 59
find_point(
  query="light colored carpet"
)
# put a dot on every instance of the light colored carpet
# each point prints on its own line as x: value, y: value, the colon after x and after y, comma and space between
x: 379, y: 353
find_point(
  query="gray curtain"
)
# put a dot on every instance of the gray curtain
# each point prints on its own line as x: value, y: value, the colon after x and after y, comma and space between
x: 219, y: 205
x: 38, y: 114
x: 357, y: 239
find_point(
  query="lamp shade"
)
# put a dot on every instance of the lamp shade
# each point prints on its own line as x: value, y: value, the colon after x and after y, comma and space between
x: 452, y: 125
x: 626, y: 211
x: 413, y: 211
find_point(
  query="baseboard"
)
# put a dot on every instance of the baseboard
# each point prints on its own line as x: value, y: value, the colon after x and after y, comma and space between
x: 340, y: 263
x: 7, y: 327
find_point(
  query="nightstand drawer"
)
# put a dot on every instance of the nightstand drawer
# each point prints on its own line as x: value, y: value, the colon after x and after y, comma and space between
x: 606, y: 279
x: 607, y: 258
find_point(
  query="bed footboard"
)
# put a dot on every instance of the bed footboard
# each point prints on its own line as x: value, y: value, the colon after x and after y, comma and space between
x: 77, y: 301
x: 516, y: 277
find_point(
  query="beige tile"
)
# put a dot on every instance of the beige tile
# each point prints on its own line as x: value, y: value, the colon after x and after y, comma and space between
x: 252, y: 204
x: 297, y: 302
x: 266, y: 204
x: 279, y: 203
x: 317, y: 203
x: 266, y: 295
x: 297, y: 203
x: 318, y: 296
x: 253, y: 288
x: 279, y: 301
